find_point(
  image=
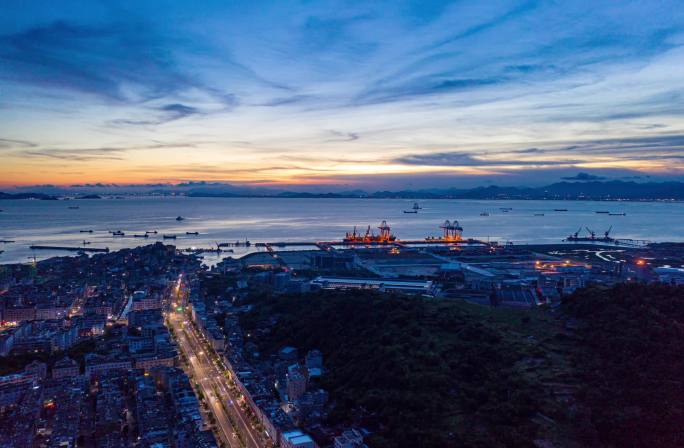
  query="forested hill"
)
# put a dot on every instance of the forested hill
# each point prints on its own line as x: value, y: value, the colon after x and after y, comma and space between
x: 630, y: 361
x: 423, y: 373
x: 604, y: 370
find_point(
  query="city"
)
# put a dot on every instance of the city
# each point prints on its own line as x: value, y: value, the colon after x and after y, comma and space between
x: 341, y: 224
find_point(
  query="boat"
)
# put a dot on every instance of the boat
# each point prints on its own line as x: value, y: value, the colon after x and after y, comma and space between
x: 118, y: 233
x: 538, y: 214
x: 139, y: 235
x: 180, y: 218
x: 617, y: 214
x: 560, y: 209
x: 86, y: 231
x: 85, y: 242
x: 6, y: 241
x: 169, y: 237
x: 416, y: 206
x: 410, y: 211
x: 602, y: 212
x: 151, y: 231
x: 73, y: 207
x: 484, y: 214
x: 505, y: 209
x: 192, y: 233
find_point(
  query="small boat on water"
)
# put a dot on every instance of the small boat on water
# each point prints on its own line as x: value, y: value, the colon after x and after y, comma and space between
x: 538, y: 214
x: 416, y: 206
x: 169, y: 237
x: 617, y: 214
x: 118, y: 233
x: 505, y: 209
x: 151, y: 231
x: 85, y: 242
x: 560, y: 209
x: 484, y: 214
x: 86, y: 231
x: 192, y: 233
x: 602, y: 212
x: 410, y: 211
x: 180, y: 218
x: 139, y: 235
x: 6, y: 241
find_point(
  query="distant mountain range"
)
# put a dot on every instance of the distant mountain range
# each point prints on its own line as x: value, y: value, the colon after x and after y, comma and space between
x: 611, y: 190
x: 594, y: 190
x: 41, y: 196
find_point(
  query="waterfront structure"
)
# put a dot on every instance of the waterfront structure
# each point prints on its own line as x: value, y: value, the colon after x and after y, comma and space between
x: 404, y: 286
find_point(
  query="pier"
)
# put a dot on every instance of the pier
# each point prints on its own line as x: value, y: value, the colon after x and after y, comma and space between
x: 71, y: 248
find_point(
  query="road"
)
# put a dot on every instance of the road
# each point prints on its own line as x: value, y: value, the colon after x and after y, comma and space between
x: 214, y: 385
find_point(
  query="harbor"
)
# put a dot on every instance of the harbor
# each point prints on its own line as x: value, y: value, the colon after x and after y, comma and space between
x: 247, y: 226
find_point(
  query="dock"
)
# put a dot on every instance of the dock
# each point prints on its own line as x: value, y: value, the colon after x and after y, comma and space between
x: 71, y: 248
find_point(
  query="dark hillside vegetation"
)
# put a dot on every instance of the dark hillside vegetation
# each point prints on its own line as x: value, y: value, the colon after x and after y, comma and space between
x: 416, y: 372
x: 631, y: 363
x: 606, y: 369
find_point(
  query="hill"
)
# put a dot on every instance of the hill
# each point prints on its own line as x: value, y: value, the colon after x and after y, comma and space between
x: 417, y: 372
x: 603, y: 370
x: 629, y: 362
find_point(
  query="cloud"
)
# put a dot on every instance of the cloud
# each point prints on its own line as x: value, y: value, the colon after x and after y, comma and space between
x: 584, y: 177
x: 98, y: 153
x: 165, y: 114
x: 343, y: 136
x: 467, y: 159
x: 530, y: 86
x: 124, y: 61
x: 7, y: 143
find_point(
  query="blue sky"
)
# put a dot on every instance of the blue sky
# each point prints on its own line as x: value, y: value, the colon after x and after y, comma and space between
x: 340, y: 94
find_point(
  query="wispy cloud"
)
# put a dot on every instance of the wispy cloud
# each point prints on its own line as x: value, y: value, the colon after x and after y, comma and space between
x: 10, y: 143
x: 165, y: 114
x: 338, y: 89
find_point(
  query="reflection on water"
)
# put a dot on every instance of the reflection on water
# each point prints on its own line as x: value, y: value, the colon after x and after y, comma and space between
x: 220, y: 220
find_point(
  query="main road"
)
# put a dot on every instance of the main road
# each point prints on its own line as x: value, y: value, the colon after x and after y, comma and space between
x: 214, y: 383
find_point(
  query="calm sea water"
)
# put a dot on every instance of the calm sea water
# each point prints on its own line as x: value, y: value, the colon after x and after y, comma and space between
x: 268, y: 219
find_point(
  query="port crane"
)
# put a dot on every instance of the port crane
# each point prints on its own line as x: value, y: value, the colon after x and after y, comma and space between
x: 385, y: 235
x: 606, y: 238
x: 591, y: 232
x: 452, y: 230
x: 384, y: 231
x: 606, y: 234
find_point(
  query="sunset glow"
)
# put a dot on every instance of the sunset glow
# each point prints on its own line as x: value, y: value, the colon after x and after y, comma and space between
x: 366, y: 93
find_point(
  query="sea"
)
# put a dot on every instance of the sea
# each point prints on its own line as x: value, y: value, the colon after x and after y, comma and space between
x: 226, y: 220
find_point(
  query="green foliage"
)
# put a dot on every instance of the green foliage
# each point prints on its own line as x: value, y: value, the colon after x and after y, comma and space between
x: 631, y: 357
x: 417, y: 372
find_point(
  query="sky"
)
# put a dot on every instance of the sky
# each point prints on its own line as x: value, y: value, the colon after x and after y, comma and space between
x: 340, y: 95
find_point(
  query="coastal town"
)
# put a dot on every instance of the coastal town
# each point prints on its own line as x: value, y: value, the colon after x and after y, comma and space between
x: 147, y: 347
